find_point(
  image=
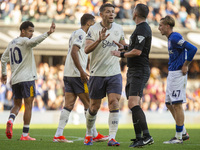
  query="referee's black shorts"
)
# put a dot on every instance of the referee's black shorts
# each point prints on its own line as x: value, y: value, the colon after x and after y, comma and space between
x: 136, y: 81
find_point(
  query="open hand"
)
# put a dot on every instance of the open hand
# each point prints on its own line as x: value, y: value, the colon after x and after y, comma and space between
x: 52, y: 28
x: 102, y: 34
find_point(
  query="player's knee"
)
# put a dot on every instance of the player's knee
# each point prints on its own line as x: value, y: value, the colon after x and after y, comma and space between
x: 94, y: 108
x: 113, y: 104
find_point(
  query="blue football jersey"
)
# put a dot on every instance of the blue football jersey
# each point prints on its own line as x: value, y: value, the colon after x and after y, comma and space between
x: 176, y: 50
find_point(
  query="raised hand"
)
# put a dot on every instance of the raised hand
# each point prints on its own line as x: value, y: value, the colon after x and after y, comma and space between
x: 52, y: 28
x: 102, y: 34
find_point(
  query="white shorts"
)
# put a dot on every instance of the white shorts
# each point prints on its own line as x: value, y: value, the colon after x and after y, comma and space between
x: 176, y: 87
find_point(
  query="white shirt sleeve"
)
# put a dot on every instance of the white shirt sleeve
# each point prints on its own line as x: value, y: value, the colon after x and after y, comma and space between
x: 4, y: 60
x: 35, y: 41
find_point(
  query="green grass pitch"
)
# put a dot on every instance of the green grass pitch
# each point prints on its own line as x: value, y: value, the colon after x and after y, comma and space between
x: 44, y: 135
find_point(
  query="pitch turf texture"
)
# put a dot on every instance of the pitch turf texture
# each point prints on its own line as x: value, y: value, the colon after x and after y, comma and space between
x: 44, y: 136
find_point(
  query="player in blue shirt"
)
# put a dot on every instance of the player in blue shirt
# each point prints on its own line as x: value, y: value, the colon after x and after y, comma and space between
x: 181, y: 54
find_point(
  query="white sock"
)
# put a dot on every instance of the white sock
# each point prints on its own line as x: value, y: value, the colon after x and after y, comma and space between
x: 94, y: 130
x: 178, y: 135
x: 64, y: 116
x: 90, y: 121
x: 95, y: 133
x: 184, y: 130
x: 113, y: 124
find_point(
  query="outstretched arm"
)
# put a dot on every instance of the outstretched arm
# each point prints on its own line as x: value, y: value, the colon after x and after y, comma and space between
x: 37, y: 40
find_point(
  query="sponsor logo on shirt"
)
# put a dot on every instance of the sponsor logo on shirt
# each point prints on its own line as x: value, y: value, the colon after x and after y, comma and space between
x: 106, y: 43
x: 140, y: 38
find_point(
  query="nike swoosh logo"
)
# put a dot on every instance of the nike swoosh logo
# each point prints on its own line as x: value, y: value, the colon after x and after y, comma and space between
x: 146, y: 141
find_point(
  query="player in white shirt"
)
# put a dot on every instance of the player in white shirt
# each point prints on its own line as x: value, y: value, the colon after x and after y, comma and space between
x: 20, y: 55
x: 105, y: 73
x: 75, y: 78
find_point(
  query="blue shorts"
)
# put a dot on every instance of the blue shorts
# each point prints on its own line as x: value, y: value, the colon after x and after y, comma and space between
x: 24, y: 90
x: 75, y: 85
x: 100, y: 86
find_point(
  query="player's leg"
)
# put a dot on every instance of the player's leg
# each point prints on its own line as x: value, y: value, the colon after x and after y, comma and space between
x: 179, y: 113
x: 97, y: 137
x: 28, y: 102
x: 13, y: 113
x: 28, y: 93
x: 17, y: 95
x: 113, y: 120
x: 70, y: 99
x: 175, y: 96
x: 90, y: 120
x: 113, y: 89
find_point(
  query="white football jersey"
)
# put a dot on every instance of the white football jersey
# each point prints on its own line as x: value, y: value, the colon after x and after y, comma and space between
x: 20, y: 54
x: 77, y: 38
x: 102, y: 63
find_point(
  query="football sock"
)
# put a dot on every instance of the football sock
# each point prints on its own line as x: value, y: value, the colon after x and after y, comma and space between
x: 90, y: 121
x: 64, y: 116
x: 12, y: 117
x: 94, y: 130
x: 139, y: 121
x: 184, y: 130
x: 113, y: 121
x: 25, y: 130
x: 179, y: 130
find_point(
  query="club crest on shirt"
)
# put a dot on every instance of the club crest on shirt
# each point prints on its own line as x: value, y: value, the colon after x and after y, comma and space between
x: 140, y: 38
x: 89, y: 35
x: 116, y: 33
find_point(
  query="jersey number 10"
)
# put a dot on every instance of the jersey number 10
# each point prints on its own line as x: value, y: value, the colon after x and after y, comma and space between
x: 13, y: 56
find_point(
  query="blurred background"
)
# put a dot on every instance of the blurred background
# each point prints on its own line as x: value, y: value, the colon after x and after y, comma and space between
x: 51, y: 54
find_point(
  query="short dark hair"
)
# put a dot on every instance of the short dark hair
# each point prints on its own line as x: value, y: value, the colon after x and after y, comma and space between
x: 168, y: 20
x: 142, y: 10
x: 85, y: 18
x: 102, y: 8
x: 25, y: 25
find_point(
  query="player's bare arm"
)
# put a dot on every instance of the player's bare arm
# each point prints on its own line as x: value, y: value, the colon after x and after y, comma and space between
x: 74, y: 53
x: 91, y: 45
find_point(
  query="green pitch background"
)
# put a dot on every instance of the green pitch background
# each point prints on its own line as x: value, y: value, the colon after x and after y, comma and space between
x: 44, y: 135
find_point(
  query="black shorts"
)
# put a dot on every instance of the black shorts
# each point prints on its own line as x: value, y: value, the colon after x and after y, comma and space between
x: 136, y: 81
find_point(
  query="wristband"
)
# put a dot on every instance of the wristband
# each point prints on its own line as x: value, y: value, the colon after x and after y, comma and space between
x: 122, y: 54
x: 125, y: 47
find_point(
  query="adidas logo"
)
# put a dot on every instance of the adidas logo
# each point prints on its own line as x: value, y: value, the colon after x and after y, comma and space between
x: 140, y: 38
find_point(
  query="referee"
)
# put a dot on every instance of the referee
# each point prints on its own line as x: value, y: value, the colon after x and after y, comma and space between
x: 138, y: 72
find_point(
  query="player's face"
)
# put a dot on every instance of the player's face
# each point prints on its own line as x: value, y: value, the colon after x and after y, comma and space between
x: 108, y: 15
x: 163, y: 28
x: 29, y: 32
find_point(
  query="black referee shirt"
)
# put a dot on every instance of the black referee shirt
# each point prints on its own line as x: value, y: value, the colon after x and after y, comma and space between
x: 141, y: 40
